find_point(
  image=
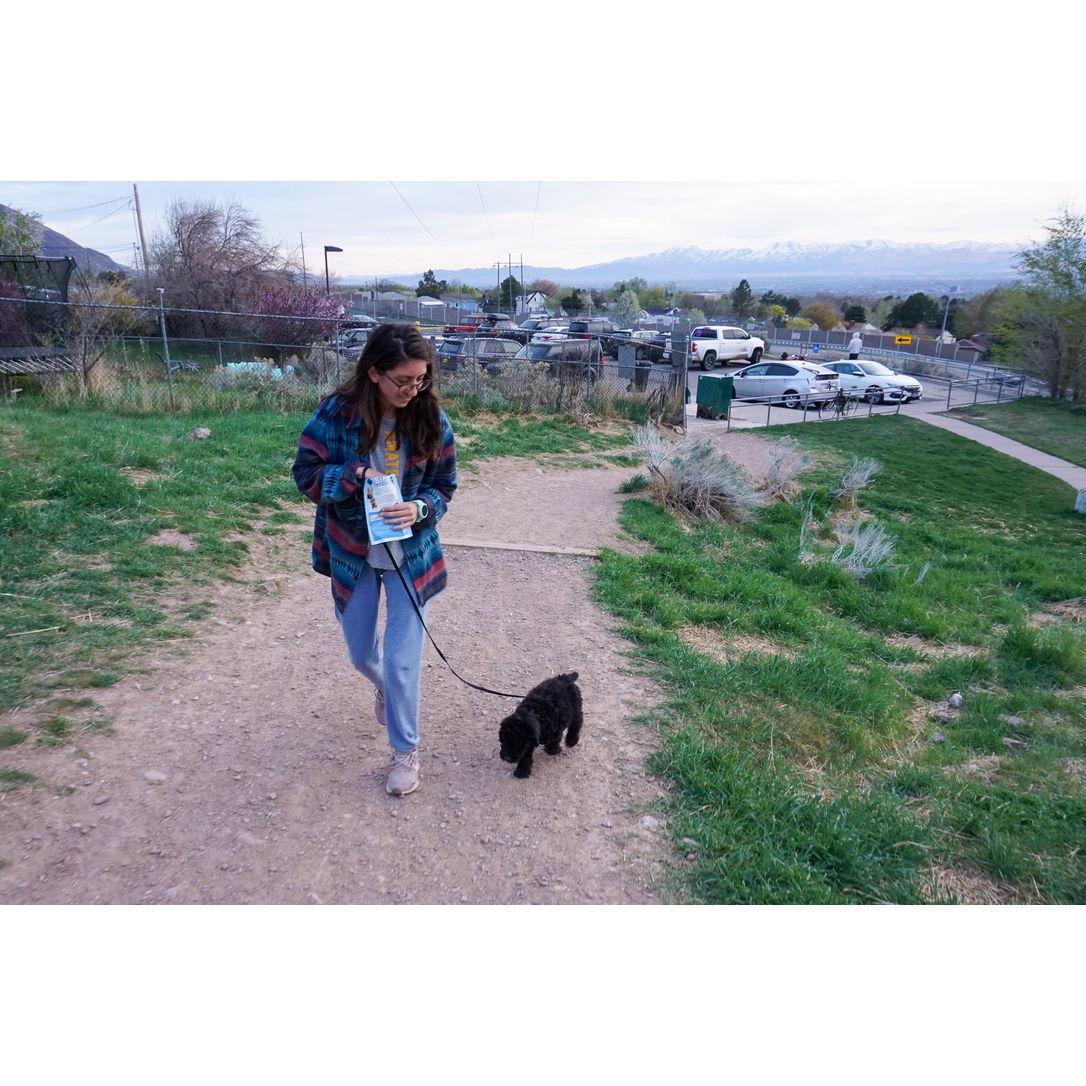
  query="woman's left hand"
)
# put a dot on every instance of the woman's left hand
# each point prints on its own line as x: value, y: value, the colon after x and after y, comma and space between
x: 402, y: 515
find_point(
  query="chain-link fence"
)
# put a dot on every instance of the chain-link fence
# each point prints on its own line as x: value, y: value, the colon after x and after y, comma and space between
x: 172, y: 358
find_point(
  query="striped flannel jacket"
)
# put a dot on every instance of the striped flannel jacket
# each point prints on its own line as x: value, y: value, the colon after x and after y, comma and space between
x: 324, y: 470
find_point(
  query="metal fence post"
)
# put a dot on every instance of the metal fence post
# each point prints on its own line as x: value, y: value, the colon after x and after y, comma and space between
x: 976, y: 392
x: 165, y: 344
x: 999, y: 392
x: 949, y: 388
x: 219, y: 342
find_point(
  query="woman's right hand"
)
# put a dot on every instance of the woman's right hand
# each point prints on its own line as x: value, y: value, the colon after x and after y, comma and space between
x: 360, y: 474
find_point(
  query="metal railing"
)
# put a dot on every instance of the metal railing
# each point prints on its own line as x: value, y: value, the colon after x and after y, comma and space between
x: 747, y: 412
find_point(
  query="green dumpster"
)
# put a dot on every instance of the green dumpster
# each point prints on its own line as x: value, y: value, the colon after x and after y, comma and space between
x: 714, y: 395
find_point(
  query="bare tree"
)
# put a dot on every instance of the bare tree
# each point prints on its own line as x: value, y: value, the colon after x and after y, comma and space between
x: 96, y: 316
x: 213, y: 257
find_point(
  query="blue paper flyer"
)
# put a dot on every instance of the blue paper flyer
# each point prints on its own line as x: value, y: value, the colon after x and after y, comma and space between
x: 379, y: 493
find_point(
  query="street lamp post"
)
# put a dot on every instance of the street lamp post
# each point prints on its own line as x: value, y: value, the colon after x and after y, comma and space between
x: 951, y: 291
x: 329, y: 249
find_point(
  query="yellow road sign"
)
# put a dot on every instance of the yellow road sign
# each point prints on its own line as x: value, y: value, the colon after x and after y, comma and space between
x: 903, y: 339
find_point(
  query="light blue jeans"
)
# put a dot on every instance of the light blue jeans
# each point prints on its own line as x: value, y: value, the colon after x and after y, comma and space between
x: 394, y: 667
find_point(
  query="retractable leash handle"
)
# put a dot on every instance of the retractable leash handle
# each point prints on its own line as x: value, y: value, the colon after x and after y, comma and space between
x: 411, y: 597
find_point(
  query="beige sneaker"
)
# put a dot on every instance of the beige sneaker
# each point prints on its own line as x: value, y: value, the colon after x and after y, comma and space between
x: 403, y: 772
x: 379, y: 707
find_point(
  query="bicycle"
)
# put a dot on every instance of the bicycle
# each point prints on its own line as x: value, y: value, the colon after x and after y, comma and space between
x: 840, y: 407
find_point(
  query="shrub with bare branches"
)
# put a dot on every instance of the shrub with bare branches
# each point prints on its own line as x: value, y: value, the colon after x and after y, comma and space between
x: 695, y: 478
x: 859, y: 473
x: 863, y: 547
x: 786, y: 462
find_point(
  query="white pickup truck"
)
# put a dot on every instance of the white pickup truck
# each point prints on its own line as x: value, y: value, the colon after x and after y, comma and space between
x: 713, y: 343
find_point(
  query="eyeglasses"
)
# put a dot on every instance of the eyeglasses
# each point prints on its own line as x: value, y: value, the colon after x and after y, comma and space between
x: 419, y: 385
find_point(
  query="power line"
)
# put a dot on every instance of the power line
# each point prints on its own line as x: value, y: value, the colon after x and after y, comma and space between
x: 109, y: 215
x: 488, y: 226
x: 531, y: 237
x: 452, y: 259
x: 86, y: 207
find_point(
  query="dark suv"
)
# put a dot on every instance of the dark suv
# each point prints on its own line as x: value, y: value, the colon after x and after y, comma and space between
x: 567, y: 359
x: 597, y: 328
x: 488, y: 353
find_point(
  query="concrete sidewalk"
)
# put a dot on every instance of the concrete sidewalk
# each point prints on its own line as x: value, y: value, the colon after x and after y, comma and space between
x: 1071, y: 474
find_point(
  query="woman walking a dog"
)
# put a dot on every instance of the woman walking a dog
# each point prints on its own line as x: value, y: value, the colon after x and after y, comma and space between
x: 384, y: 419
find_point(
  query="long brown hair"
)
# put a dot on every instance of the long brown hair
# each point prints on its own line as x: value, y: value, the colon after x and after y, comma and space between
x: 419, y: 421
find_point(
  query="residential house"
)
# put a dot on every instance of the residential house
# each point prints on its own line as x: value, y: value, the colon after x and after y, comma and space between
x: 534, y: 303
x: 465, y: 305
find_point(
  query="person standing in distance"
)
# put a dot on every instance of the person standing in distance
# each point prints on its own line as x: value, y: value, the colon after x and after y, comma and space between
x: 855, y: 346
x: 384, y: 419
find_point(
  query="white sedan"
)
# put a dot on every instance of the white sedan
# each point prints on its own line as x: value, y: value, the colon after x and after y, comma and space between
x: 874, y: 382
x: 795, y: 384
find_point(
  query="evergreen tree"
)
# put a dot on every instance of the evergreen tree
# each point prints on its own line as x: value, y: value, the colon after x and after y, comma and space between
x: 742, y: 300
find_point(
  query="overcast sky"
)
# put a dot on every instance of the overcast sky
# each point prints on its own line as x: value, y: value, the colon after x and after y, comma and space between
x: 566, y: 224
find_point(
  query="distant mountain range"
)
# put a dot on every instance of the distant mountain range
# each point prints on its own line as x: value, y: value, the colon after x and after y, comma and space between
x: 863, y: 266
x: 56, y: 245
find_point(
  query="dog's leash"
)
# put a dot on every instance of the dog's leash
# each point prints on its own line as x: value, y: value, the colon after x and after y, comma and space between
x: 411, y: 597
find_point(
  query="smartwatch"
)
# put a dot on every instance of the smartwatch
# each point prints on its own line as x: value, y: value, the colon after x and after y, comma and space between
x: 424, y: 511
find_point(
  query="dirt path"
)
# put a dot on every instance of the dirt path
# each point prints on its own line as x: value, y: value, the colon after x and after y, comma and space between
x: 250, y: 770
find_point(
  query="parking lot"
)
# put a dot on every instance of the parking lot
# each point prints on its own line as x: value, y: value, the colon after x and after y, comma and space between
x: 939, y: 395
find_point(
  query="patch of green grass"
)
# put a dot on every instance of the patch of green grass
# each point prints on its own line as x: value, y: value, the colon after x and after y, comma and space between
x: 1053, y: 426
x: 516, y: 435
x: 11, y: 737
x: 13, y: 778
x: 798, y: 766
x: 76, y: 533
x: 634, y: 485
x: 54, y: 731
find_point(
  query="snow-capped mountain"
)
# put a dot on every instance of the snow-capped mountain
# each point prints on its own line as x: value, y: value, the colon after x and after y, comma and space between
x: 867, y: 265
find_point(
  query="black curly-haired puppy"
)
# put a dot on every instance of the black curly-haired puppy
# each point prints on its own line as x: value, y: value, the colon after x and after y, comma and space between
x: 552, y: 707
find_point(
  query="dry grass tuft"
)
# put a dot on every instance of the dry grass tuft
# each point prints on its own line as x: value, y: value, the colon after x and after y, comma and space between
x: 933, y: 648
x: 169, y: 537
x: 971, y: 886
x: 726, y: 648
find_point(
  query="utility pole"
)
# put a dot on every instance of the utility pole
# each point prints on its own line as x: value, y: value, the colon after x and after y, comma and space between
x: 139, y: 223
x: 305, y: 280
x: 509, y: 265
x: 498, y: 292
x: 524, y: 297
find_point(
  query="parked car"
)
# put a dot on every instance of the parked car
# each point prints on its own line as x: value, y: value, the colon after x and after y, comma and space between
x: 567, y: 358
x: 875, y: 382
x: 792, y: 383
x: 559, y: 331
x: 594, y: 328
x: 351, y: 338
x: 496, y: 324
x: 466, y: 324
x: 528, y: 328
x: 488, y: 353
x: 646, y: 346
x: 713, y: 343
x: 662, y: 340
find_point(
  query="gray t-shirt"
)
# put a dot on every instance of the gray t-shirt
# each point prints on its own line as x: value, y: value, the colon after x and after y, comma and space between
x: 385, y: 457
